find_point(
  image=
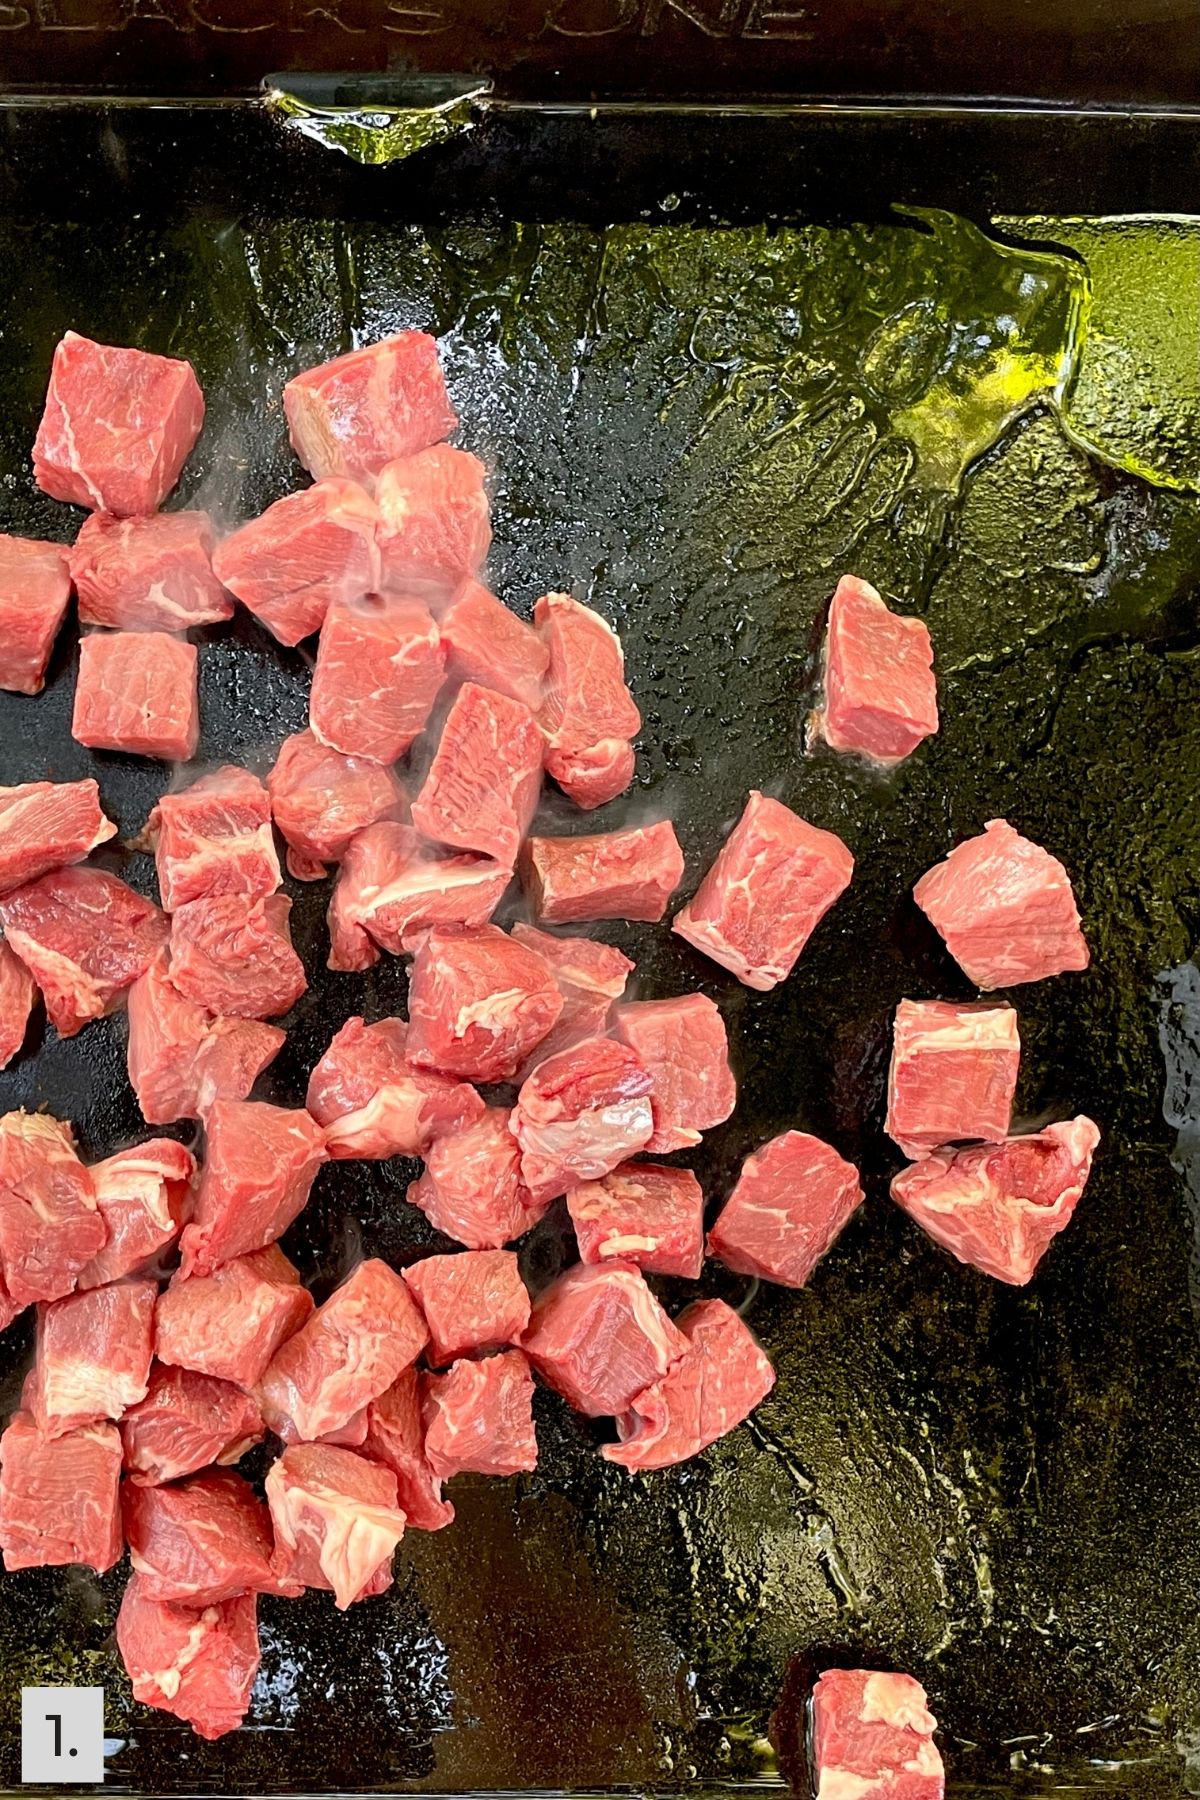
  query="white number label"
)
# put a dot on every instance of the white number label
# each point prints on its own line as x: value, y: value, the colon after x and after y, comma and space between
x: 62, y: 1734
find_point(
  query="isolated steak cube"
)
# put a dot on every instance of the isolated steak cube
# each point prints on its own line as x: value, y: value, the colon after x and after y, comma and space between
x: 152, y: 573
x: 588, y: 714
x: 396, y: 1439
x: 320, y: 798
x: 472, y: 1188
x: 612, y: 875
x: 482, y: 788
x: 214, y: 837
x: 485, y: 642
x: 479, y: 1417
x: 880, y: 697
x: 641, y: 1213
x: 599, y: 1338
x: 307, y: 552
x: 142, y: 1193
x: 373, y: 1103
x: 581, y: 1113
x: 352, y: 415
x: 683, y: 1044
x: 471, y: 1302
x: 47, y: 824
x: 590, y: 976
x: 434, y: 522
x: 35, y: 590
x: 50, y: 1225
x: 118, y: 426
x: 202, y: 1541
x: 137, y: 692
x: 235, y: 955
x: 259, y: 1165
x: 379, y: 670
x: 59, y: 1498
x: 186, y: 1422
x: 93, y: 1356
x: 85, y: 937
x: 872, y: 1735
x: 716, y: 1384
x: 18, y: 997
x: 791, y: 1200
x: 230, y: 1324
x: 478, y: 1003
x: 182, y: 1057
x: 336, y: 1521
x: 953, y: 1074
x: 198, y: 1663
x: 393, y: 887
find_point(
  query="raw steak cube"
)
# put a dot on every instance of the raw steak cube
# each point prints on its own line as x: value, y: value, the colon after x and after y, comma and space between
x: 320, y: 798
x: 186, y: 1422
x: 18, y: 997
x: 613, y: 875
x: 880, y: 692
x: 148, y: 574
x: 50, y: 1225
x: 712, y: 1388
x: 590, y: 977
x: 488, y: 644
x: 472, y: 1302
x: 93, y: 1356
x: 235, y: 955
x: 59, y: 1499
x: 953, y: 1074
x: 479, y: 1417
x: 774, y: 880
x: 259, y: 1165
x: 683, y: 1044
x: 336, y: 1521
x: 374, y: 1104
x: 998, y: 1206
x: 396, y: 1438
x: 434, y: 521
x: 379, y: 669
x: 137, y: 691
x: 1005, y: 908
x: 118, y: 426
x: 198, y: 1663
x: 201, y: 1542
x: 599, y: 1338
x: 644, y: 1214
x: 472, y: 1189
x: 85, y: 938
x: 352, y: 415
x: 588, y: 713
x: 142, y: 1194
x: 872, y: 1736
x: 45, y: 824
x: 214, y: 837
x: 478, y: 1003
x: 181, y: 1058
x: 580, y: 1114
x: 482, y: 788
x: 351, y: 1348
x: 393, y: 887
x: 230, y: 1324
x: 306, y: 553
x: 792, y: 1198
x: 35, y: 590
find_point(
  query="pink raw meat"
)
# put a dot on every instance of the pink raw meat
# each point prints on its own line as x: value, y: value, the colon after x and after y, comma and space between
x: 137, y: 692
x: 599, y: 1338
x: 588, y: 714
x: 471, y: 1302
x: 791, y: 1200
x: 350, y: 1350
x: 142, y: 1194
x: 612, y: 875
x: 18, y: 997
x: 46, y: 824
x: 396, y: 1438
x: 59, y: 1498
x: 50, y: 1225
x: 198, y: 1663
x: 93, y: 1356
x: 580, y: 1114
x: 482, y: 788
x: 953, y: 1074
x: 644, y: 1214
x: 352, y: 415
x: 714, y: 1386
x: 880, y: 698
x: 320, y: 798
x: 393, y: 887
x: 308, y: 551
x: 772, y: 883
x: 590, y: 977
x: 186, y: 1422
x: 872, y: 1737
x: 260, y: 1162
x: 181, y: 1058
x: 235, y: 956
x: 336, y: 1521
x: 85, y: 937
x: 379, y: 670
x: 485, y: 642
x: 472, y: 1189
x: 479, y: 1417
x: 683, y: 1044
x: 35, y: 590
x: 999, y: 1206
x: 201, y: 1541
x: 478, y: 1003
x: 374, y: 1104
x: 118, y: 426
x: 230, y: 1324
x: 434, y: 522
x: 214, y: 837
x: 148, y: 574
x: 1005, y: 908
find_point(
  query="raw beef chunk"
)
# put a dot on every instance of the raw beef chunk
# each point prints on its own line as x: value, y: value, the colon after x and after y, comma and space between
x: 214, y: 837
x: 479, y: 1417
x: 599, y: 1338
x: 482, y: 788
x: 644, y: 1214
x: 999, y: 1206
x: 774, y: 880
x: 148, y: 574
x: 872, y: 1736
x: 614, y: 875
x: 93, y: 1356
x: 580, y: 1114
x: 201, y: 1542
x: 953, y: 1074
x: 85, y: 938
x: 309, y: 551
x: 46, y: 824
x: 198, y: 1663
x: 379, y: 670
x: 683, y: 1044
x: 352, y: 415
x: 1005, y: 908
x: 434, y: 523
x: 472, y: 1302
x: 336, y: 1521
x: 230, y: 1324
x: 137, y: 692
x: 35, y: 590
x: 118, y: 426
x: 59, y: 1498
x: 235, y: 956
x: 396, y: 1438
x: 488, y: 644
x: 880, y: 693
x: 142, y: 1194
x: 259, y: 1165
x: 373, y: 1103
x: 393, y: 887
x: 588, y: 714
x: 472, y: 1188
x: 479, y: 1002
x: 792, y: 1198
x: 186, y: 1422
x: 18, y: 997
x: 590, y: 977
x: 50, y: 1225
x: 714, y: 1386
x: 320, y: 798
x: 181, y: 1058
